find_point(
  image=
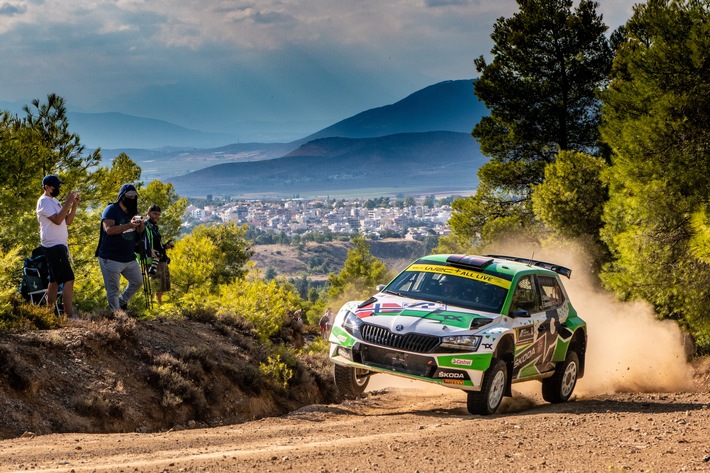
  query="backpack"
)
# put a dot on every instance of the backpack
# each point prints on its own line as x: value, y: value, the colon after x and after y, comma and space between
x: 35, y: 276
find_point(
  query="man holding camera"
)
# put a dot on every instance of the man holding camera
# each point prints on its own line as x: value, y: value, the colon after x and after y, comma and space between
x: 121, y: 226
x: 158, y: 259
x: 53, y: 219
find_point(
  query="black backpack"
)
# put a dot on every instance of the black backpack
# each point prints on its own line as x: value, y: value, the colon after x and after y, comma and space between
x: 35, y: 276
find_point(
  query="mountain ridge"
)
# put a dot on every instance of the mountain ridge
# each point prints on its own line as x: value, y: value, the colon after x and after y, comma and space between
x: 425, y: 162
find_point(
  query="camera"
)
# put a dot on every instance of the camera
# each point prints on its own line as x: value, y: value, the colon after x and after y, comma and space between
x: 137, y: 218
x: 153, y: 269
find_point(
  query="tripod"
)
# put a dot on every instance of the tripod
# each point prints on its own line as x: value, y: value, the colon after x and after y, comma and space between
x: 146, y: 284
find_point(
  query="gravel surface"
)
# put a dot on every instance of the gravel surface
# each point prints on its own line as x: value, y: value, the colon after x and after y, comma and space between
x: 408, y: 429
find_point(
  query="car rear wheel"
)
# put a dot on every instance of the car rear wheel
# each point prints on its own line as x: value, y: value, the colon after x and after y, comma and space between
x: 559, y: 387
x: 488, y: 399
x: 351, y: 382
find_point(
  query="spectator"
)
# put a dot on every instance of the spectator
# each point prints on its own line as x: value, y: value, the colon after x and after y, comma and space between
x: 53, y: 220
x: 325, y: 323
x: 159, y: 253
x: 120, y: 229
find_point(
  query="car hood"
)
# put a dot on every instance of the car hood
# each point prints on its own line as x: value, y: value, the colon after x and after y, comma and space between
x: 405, y: 315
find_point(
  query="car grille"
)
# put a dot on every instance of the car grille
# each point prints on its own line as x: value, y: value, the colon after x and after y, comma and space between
x: 409, y: 363
x: 408, y: 342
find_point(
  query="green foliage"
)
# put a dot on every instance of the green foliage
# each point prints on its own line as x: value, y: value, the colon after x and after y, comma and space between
x: 657, y: 120
x: 276, y: 370
x: 9, y: 280
x: 25, y: 316
x: 491, y: 214
x: 571, y: 198
x: 194, y: 264
x: 233, y: 250
x: 361, y: 271
x: 266, y: 305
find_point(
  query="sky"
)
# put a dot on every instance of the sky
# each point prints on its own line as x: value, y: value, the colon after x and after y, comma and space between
x: 282, y: 68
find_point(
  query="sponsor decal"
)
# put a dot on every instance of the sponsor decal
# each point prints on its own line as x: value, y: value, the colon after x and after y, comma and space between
x: 459, y: 382
x: 461, y: 361
x: 342, y: 338
x: 465, y: 273
x: 451, y: 374
x: 487, y: 346
x: 530, y: 353
x: 526, y: 334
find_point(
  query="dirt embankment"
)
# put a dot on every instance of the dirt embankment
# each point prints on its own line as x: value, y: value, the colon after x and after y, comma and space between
x: 117, y: 374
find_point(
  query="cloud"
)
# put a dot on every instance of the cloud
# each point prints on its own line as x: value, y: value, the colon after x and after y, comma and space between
x: 9, y: 9
x: 446, y: 3
x: 240, y: 59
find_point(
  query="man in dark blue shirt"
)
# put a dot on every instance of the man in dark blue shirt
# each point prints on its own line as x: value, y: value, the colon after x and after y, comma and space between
x: 120, y: 228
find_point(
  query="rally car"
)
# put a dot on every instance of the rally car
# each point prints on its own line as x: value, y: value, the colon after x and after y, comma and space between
x: 476, y: 323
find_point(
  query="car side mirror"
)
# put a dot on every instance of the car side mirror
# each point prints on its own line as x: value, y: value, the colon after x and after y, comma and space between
x: 520, y: 313
x: 380, y: 287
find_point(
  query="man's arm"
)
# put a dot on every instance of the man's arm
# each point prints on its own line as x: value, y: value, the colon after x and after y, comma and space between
x: 112, y: 229
x: 75, y: 204
x: 69, y: 208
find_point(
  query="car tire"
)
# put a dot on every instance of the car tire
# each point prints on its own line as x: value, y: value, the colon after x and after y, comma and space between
x: 351, y: 382
x: 487, y: 400
x: 559, y: 387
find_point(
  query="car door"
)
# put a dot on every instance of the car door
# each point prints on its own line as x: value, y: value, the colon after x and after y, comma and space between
x: 532, y: 329
x: 554, y: 307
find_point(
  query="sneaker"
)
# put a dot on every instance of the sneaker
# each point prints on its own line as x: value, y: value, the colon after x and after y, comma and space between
x: 123, y: 305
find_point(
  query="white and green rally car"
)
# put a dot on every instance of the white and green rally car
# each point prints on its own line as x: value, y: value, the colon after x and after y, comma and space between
x: 477, y: 323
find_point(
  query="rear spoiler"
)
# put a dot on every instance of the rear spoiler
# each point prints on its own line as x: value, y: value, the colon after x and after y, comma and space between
x: 552, y: 267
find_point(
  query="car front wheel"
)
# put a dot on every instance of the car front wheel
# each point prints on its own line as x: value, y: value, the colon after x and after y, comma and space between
x: 559, y: 387
x: 351, y: 382
x: 488, y: 399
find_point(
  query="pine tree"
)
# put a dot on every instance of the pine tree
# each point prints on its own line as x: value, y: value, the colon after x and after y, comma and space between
x: 656, y: 118
x: 549, y: 61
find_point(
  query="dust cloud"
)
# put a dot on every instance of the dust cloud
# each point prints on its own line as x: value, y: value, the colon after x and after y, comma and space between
x: 628, y: 349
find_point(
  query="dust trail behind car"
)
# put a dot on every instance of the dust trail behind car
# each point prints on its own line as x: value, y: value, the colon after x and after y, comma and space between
x: 629, y: 349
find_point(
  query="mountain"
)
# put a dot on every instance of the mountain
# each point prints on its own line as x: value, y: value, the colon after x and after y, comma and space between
x: 409, y: 163
x: 446, y: 106
x: 116, y: 130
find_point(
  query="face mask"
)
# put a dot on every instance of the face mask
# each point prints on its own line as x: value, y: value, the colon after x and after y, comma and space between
x: 131, y: 205
x: 55, y: 191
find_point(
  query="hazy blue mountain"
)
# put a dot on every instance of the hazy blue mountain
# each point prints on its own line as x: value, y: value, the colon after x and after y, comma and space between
x: 409, y: 163
x: 116, y: 130
x: 446, y: 106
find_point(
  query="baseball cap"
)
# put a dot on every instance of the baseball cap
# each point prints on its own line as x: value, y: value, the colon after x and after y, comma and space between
x: 51, y: 180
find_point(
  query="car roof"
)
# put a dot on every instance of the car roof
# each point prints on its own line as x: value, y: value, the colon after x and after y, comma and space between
x: 507, y: 266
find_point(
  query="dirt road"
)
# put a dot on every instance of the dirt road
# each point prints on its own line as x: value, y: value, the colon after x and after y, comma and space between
x: 408, y: 428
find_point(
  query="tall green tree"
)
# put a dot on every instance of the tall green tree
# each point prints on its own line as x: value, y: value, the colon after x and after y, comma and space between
x: 549, y: 61
x: 32, y: 146
x: 656, y: 118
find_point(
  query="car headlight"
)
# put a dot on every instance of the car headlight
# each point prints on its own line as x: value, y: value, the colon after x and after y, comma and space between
x: 462, y: 342
x: 352, y: 324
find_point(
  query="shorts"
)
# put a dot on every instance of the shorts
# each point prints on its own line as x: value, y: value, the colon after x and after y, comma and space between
x: 58, y: 263
x: 162, y: 277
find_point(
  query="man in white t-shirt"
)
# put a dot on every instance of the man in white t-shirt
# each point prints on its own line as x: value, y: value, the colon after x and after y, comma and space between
x: 53, y: 219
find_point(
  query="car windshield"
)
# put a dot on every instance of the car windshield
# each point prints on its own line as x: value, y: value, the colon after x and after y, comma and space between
x: 449, y: 289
